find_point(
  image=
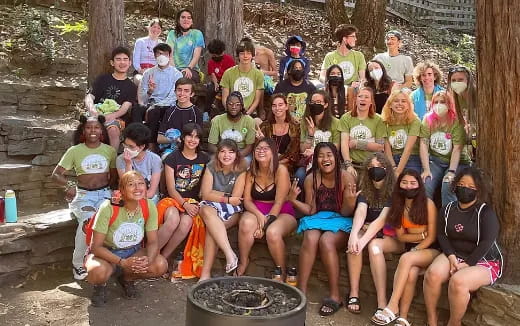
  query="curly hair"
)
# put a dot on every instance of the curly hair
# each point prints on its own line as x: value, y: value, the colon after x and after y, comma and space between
x: 387, y: 113
x: 377, y: 197
x: 216, y: 46
x: 480, y: 179
x: 422, y: 67
x: 78, y: 135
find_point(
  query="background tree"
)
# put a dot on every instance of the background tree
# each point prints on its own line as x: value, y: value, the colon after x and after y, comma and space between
x: 369, y: 18
x: 106, y: 31
x: 222, y: 19
x: 498, y: 32
x: 336, y: 13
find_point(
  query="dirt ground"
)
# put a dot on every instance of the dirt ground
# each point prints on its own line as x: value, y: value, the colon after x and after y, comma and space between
x: 52, y: 297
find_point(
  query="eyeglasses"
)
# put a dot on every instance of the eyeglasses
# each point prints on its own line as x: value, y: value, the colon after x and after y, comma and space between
x: 317, y: 102
x: 234, y: 105
x: 263, y: 149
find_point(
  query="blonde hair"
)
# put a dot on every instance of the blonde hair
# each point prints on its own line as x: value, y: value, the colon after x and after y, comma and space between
x: 126, y: 178
x: 388, y: 115
x: 422, y: 67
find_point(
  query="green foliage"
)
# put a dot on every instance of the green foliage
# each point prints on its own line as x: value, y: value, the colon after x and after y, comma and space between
x: 462, y: 52
x: 78, y: 28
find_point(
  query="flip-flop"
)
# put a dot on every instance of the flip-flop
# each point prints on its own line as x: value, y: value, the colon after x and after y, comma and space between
x: 354, y: 301
x: 332, y: 304
x: 384, y: 317
x: 232, y: 266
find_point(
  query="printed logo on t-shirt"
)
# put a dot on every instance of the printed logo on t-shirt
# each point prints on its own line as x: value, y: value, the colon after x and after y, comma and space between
x: 94, y: 163
x: 233, y: 134
x: 348, y: 69
x: 361, y: 132
x: 440, y: 143
x: 297, y: 103
x: 187, y: 176
x: 321, y: 136
x: 112, y: 92
x: 128, y: 234
x: 244, y: 85
x: 217, y: 70
x: 398, y: 139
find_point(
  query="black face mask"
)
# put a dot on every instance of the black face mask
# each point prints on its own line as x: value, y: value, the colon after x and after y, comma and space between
x: 409, y: 193
x: 316, y: 109
x: 348, y: 46
x: 184, y: 30
x: 218, y: 58
x: 335, y: 80
x: 465, y: 195
x: 297, y: 75
x: 376, y: 173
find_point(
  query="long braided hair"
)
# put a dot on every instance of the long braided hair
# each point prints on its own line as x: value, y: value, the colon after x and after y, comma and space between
x: 337, y: 171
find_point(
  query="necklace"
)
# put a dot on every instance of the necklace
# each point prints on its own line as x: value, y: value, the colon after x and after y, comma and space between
x: 131, y: 214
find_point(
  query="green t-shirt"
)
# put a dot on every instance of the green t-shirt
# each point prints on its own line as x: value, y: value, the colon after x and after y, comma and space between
x: 442, y: 140
x: 125, y: 231
x: 242, y: 132
x: 351, y: 64
x: 85, y: 160
x: 247, y: 83
x: 397, y: 135
x: 369, y: 130
x: 332, y: 135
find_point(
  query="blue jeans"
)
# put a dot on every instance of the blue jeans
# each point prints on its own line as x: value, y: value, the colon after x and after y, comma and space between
x: 438, y: 170
x: 414, y: 162
x: 300, y: 174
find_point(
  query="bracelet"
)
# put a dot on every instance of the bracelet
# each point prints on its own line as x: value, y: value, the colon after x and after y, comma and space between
x: 452, y: 171
x: 184, y: 202
x: 71, y: 184
x: 310, y: 137
x: 119, y: 262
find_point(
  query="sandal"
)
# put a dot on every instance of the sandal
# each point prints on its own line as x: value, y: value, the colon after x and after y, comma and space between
x: 384, y: 317
x: 232, y: 266
x: 354, y: 301
x: 333, y: 306
x: 402, y: 322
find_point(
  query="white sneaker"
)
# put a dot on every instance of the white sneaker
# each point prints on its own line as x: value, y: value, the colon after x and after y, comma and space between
x: 79, y: 273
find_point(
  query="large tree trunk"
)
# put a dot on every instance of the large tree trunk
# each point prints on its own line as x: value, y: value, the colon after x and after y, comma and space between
x: 105, y: 32
x: 336, y: 13
x: 498, y: 30
x: 369, y: 18
x: 222, y: 19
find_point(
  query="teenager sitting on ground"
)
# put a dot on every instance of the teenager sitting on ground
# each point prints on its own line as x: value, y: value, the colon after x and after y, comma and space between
x: 244, y: 78
x: 187, y: 44
x: 109, y: 88
x: 157, y: 89
x: 94, y: 165
x: 143, y: 56
x: 267, y: 211
x: 398, y: 66
x: 296, y: 88
x: 183, y: 171
x: 369, y: 229
x: 330, y: 198
x: 218, y: 63
x: 467, y: 233
x: 414, y: 218
x: 117, y: 245
x: 137, y: 157
x: 177, y: 116
x: 233, y: 124
x: 283, y: 130
x: 404, y: 127
x: 221, y: 191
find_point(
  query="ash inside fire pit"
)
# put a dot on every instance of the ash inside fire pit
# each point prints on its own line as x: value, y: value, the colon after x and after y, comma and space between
x: 245, y: 298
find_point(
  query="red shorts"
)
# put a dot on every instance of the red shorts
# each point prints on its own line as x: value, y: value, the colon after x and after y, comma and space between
x: 493, y: 267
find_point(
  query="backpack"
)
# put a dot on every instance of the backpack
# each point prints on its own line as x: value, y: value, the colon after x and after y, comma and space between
x: 88, y: 224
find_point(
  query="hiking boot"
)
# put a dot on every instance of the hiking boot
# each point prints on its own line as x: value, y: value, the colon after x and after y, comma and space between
x: 128, y: 287
x: 99, y: 297
x: 79, y: 273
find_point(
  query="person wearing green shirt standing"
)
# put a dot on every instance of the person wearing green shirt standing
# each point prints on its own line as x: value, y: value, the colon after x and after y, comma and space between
x: 442, y: 146
x: 403, y: 128
x: 351, y: 62
x: 244, y: 78
x: 362, y: 131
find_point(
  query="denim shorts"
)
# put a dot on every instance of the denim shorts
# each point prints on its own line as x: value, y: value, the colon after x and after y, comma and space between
x: 126, y: 252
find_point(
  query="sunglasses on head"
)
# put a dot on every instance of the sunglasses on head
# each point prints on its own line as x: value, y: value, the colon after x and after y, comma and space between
x: 458, y: 69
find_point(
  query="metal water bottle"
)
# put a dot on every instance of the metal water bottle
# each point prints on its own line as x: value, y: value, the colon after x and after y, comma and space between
x: 11, y: 213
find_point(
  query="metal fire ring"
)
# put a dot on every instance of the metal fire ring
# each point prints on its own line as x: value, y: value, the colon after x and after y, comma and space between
x: 234, y: 293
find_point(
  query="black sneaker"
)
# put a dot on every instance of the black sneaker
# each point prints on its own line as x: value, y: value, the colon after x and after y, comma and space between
x: 128, y: 287
x: 99, y: 297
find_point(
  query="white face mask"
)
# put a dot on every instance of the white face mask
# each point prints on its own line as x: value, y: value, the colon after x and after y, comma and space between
x: 132, y: 153
x: 376, y: 73
x: 162, y: 60
x: 459, y: 87
x: 441, y: 109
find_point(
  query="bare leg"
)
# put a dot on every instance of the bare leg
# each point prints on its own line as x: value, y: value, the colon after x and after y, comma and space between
x: 210, y: 252
x: 376, y: 250
x: 171, y: 222
x: 409, y: 292
x: 308, y: 252
x: 329, y: 244
x: 178, y: 235
x: 281, y: 227
x: 437, y: 274
x: 463, y: 282
x: 246, y: 229
x: 99, y: 270
x: 355, y: 263
x: 218, y: 230
x: 113, y: 136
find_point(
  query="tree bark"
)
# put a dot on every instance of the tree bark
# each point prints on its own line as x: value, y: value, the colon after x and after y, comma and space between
x: 498, y: 32
x: 369, y: 18
x: 336, y: 13
x: 222, y: 19
x: 105, y: 32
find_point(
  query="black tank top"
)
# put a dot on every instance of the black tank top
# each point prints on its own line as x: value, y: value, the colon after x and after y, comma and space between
x: 264, y: 194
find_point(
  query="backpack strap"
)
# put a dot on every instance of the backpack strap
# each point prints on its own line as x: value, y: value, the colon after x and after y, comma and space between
x: 115, y: 213
x: 144, y: 208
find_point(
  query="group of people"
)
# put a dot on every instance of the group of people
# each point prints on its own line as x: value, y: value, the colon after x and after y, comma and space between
x: 357, y: 164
